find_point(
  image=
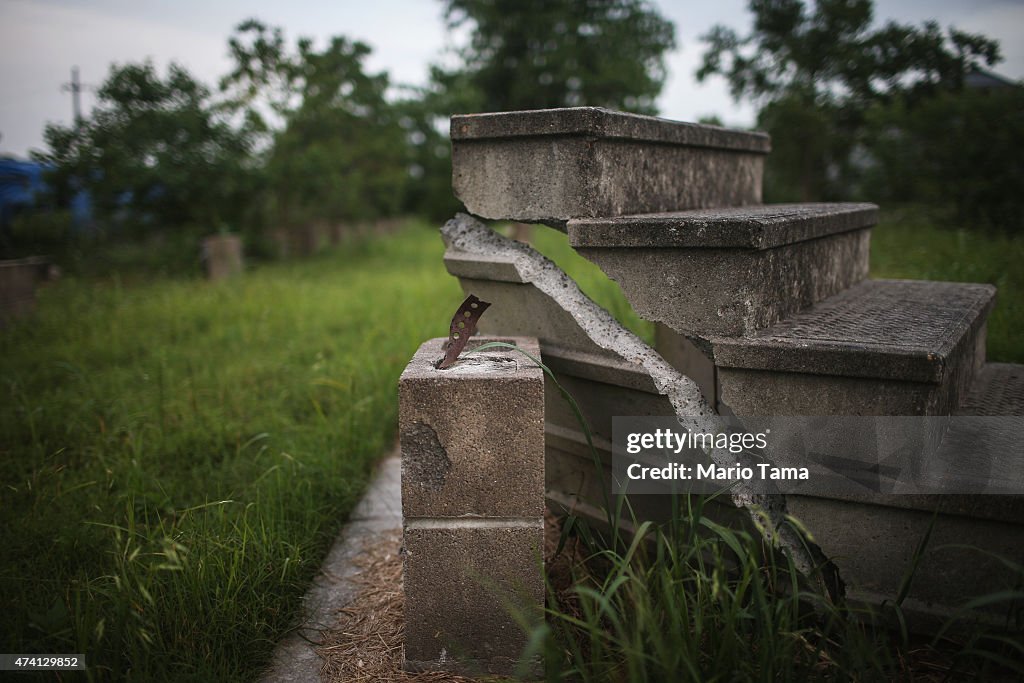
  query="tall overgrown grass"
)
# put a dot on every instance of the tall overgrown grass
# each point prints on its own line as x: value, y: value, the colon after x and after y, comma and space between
x: 177, y: 455
x: 693, y: 601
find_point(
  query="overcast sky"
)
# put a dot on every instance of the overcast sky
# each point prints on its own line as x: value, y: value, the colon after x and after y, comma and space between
x: 40, y: 40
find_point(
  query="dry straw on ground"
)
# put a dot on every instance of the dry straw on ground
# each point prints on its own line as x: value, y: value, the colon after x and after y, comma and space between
x: 366, y: 643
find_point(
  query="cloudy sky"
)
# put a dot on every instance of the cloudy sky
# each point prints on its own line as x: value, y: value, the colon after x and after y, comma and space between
x: 40, y: 40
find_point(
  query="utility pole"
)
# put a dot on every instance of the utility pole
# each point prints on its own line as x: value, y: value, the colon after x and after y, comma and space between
x: 75, y: 87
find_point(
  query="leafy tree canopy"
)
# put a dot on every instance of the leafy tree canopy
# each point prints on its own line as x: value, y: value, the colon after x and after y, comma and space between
x: 817, y: 69
x: 158, y: 145
x: 833, y: 51
x: 337, y: 150
x: 533, y: 54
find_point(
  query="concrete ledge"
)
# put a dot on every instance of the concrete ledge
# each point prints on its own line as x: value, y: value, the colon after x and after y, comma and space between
x: 549, y: 166
x: 998, y: 389
x: 603, y: 123
x: 482, y: 268
x: 748, y: 227
x: 873, y: 546
x: 603, y: 368
x: 887, y: 329
x: 729, y: 292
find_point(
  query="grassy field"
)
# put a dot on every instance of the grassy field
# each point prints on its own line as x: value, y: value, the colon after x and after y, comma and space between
x: 177, y: 455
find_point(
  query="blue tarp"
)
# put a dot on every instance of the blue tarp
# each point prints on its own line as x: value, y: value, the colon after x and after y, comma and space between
x: 22, y: 185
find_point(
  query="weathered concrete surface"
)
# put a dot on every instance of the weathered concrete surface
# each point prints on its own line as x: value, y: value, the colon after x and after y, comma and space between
x: 472, y: 435
x: 884, y: 347
x: 747, y: 227
x: 688, y: 358
x: 730, y: 272
x: 873, y: 545
x: 473, y: 503
x: 998, y: 389
x: 730, y: 292
x: 461, y: 582
x: 598, y: 122
x: 523, y: 308
x: 295, y: 659
x: 870, y: 537
x: 549, y: 166
x: 482, y: 268
x: 222, y: 256
x: 891, y: 329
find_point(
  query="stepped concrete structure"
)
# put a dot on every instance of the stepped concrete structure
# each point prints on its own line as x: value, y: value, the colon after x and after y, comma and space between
x: 766, y: 308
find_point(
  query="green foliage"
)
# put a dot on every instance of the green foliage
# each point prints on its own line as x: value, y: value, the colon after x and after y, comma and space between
x: 154, y: 150
x: 538, y: 54
x: 956, y: 148
x: 338, y: 151
x: 429, y: 186
x: 816, y: 71
x: 37, y: 232
x: 178, y: 455
x: 833, y: 53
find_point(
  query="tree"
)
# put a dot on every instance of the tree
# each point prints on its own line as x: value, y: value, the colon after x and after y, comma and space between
x: 156, y: 149
x: 958, y: 149
x: 535, y: 54
x: 424, y: 118
x: 335, y: 148
x: 815, y: 72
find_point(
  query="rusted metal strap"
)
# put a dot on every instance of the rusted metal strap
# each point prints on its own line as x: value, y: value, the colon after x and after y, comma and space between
x: 462, y: 328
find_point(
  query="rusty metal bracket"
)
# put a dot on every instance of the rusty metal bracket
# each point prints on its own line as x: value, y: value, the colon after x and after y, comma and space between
x: 462, y: 328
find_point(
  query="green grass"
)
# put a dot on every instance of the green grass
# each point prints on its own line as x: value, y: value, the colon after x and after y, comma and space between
x: 693, y: 601
x: 911, y: 243
x: 178, y: 455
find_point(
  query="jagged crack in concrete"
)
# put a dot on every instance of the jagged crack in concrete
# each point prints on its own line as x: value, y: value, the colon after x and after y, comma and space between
x: 467, y: 234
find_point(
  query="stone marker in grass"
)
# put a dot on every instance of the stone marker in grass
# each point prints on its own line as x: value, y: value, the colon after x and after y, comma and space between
x: 472, y: 440
x: 222, y: 256
x: 18, y: 281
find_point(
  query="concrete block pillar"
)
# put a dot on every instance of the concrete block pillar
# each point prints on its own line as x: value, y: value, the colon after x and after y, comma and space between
x: 472, y: 440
